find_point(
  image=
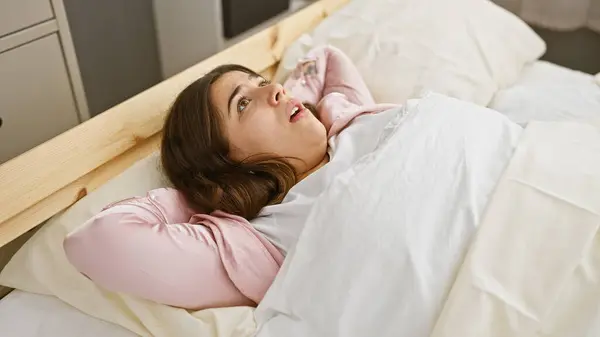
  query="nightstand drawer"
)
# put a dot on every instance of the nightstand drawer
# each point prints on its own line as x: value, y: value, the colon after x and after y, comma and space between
x: 18, y: 14
x: 36, y: 101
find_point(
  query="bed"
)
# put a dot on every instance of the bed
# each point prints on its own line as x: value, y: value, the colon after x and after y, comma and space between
x: 54, y: 176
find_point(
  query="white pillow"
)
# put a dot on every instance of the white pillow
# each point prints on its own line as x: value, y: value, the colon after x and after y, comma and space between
x: 41, y: 266
x: 466, y: 49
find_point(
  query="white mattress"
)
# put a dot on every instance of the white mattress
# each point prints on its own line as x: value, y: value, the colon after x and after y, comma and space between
x: 548, y: 92
x: 31, y: 315
x: 545, y: 92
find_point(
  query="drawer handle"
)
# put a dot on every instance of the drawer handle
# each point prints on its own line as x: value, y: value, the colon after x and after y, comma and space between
x: 0, y: 122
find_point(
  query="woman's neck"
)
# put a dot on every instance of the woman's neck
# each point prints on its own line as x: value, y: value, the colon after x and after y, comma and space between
x: 322, y: 163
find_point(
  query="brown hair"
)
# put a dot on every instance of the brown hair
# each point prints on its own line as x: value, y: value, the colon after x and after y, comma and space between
x: 195, y: 157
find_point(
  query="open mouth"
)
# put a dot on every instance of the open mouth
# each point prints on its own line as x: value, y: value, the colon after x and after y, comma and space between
x: 297, y: 111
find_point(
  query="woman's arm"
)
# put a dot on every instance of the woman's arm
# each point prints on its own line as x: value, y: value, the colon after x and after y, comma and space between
x: 146, y: 247
x: 327, y: 70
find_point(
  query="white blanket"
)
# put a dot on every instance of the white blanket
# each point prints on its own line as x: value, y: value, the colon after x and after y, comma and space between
x: 382, y: 248
x: 534, y: 268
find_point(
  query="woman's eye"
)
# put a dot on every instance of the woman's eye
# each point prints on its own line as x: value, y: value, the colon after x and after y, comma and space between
x: 264, y: 83
x: 242, y: 104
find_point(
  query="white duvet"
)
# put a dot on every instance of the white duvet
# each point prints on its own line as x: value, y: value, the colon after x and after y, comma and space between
x: 534, y: 267
x: 382, y: 248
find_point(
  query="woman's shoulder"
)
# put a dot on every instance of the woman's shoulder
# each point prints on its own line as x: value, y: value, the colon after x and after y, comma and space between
x: 170, y: 203
x: 166, y: 193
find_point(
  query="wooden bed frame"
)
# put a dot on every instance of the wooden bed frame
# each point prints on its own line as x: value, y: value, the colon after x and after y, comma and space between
x: 53, y: 176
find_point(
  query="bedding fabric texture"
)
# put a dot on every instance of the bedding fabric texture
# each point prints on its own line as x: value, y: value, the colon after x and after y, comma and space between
x: 24, y: 314
x: 534, y: 268
x: 466, y: 49
x: 382, y: 263
x: 41, y: 267
x: 549, y: 92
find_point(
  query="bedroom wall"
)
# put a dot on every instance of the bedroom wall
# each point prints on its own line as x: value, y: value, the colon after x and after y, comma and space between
x: 116, y: 48
x: 125, y: 47
x: 578, y: 50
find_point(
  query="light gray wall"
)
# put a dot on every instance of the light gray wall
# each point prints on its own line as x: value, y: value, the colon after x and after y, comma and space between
x: 579, y: 49
x: 188, y: 32
x: 115, y: 43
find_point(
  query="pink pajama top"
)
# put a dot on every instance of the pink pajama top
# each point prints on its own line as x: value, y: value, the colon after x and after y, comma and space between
x: 158, y: 248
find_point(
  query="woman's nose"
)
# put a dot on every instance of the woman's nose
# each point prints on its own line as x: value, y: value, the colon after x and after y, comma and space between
x: 276, y: 94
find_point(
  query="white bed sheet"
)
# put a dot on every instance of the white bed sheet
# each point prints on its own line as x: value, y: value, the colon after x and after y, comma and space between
x: 24, y: 314
x: 549, y: 92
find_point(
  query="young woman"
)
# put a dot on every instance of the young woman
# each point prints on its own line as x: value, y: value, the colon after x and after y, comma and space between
x: 247, y: 159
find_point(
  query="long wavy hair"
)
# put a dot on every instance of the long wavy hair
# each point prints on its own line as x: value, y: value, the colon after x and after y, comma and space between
x: 195, y: 157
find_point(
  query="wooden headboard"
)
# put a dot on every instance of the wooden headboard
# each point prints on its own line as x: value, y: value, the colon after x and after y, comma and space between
x: 56, y: 174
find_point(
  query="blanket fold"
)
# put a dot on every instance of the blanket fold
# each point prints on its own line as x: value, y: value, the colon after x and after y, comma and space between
x: 534, y: 267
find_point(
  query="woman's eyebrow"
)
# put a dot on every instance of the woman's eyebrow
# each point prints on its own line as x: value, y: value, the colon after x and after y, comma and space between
x: 233, y: 94
x: 235, y: 91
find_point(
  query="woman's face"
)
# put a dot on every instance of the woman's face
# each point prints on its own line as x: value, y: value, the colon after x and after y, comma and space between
x: 260, y: 119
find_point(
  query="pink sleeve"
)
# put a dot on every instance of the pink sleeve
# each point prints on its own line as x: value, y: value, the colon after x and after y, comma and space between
x: 326, y: 77
x: 147, y: 247
x: 326, y: 70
